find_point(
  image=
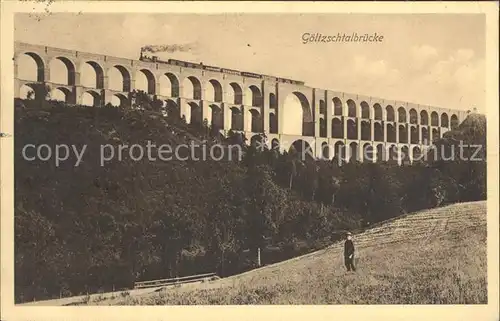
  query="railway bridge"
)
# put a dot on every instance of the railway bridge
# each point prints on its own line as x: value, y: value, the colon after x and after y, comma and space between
x: 329, y: 122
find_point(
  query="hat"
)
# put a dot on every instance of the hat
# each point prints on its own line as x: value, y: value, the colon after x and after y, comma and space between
x: 349, y: 233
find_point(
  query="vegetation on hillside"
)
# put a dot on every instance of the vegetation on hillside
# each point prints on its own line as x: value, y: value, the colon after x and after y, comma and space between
x: 94, y: 228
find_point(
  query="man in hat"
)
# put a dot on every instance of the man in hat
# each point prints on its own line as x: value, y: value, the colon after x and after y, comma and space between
x: 349, y: 253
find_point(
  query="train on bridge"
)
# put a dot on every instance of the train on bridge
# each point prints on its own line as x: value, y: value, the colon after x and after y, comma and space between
x: 200, y: 65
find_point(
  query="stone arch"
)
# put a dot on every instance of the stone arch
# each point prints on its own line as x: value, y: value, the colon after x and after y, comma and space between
x: 390, y: 113
x: 255, y: 121
x: 401, y: 115
x: 366, y: 130
x: 352, y: 129
x: 236, y: 93
x: 404, y: 155
x: 150, y: 79
x: 392, y: 153
x: 424, y: 118
x: 377, y: 111
x: 403, y: 134
x: 254, y: 97
x: 69, y: 71
x: 273, y: 123
x: 256, y: 141
x: 391, y: 133
x: 337, y: 106
x: 172, y: 108
x: 191, y: 88
x: 425, y: 135
x: 124, y: 77
x: 337, y: 128
x: 454, y: 121
x: 40, y: 67
x: 381, y: 154
x: 444, y: 120
x: 416, y: 153
x: 413, y: 116
x: 216, y: 117
x: 28, y: 91
x: 91, y: 98
x: 273, y: 102
x: 213, y: 91
x: 303, y: 148
x: 96, y: 80
x: 435, y: 134
x: 325, y: 150
x: 351, y: 108
x: 322, y: 127
x: 236, y: 119
x: 414, y: 137
x: 297, y: 112
x: 365, y: 110
x: 169, y: 85
x: 378, y: 132
x: 120, y: 100
x: 65, y: 94
x: 340, y: 151
x: 368, y: 153
x: 195, y: 114
x: 275, y: 144
x: 322, y: 107
x: 353, y: 152
x: 434, y: 119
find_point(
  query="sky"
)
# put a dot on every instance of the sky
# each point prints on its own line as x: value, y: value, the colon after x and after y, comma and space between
x: 431, y: 59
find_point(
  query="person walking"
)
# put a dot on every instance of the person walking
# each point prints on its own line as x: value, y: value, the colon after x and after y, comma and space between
x: 349, y: 253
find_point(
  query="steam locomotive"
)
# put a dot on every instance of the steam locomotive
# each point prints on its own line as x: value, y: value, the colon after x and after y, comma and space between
x: 188, y: 64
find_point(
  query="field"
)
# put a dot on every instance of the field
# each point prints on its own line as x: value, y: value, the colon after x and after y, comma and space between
x: 435, y: 256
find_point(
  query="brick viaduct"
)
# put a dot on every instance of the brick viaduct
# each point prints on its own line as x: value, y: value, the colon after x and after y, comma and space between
x: 333, y: 122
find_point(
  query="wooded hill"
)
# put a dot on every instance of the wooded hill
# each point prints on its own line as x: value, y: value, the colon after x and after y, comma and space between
x: 94, y: 228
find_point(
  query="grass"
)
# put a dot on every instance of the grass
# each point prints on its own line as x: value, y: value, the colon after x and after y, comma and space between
x: 440, y: 258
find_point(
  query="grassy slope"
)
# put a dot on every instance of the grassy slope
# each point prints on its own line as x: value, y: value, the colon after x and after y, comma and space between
x: 434, y: 256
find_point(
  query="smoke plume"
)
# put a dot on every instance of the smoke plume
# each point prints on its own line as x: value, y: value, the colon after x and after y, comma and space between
x: 168, y: 48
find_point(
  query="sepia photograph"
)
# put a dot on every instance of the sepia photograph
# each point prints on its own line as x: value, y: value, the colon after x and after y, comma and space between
x: 177, y: 157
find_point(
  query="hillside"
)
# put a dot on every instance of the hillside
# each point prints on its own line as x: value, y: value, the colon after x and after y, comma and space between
x: 83, y: 226
x: 432, y: 257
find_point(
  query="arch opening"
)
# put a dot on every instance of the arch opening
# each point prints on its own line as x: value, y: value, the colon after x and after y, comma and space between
x: 401, y: 115
x: 191, y: 87
x: 213, y: 91
x: 337, y: 128
x: 298, y: 115
x: 378, y: 132
x: 454, y: 121
x: 30, y: 67
x: 337, y: 106
x: 366, y: 130
x: 91, y: 98
x: 391, y: 133
x: 444, y: 120
x: 424, y: 118
x: 413, y: 116
x: 235, y: 94
x: 119, y: 78
x: 365, y: 110
x: 351, y: 108
x: 403, y: 134
x: 62, y: 71
x: 389, y: 113
x: 169, y: 85
x: 377, y: 109
x: 253, y: 97
x: 92, y: 75
x: 236, y: 119
x: 434, y: 119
